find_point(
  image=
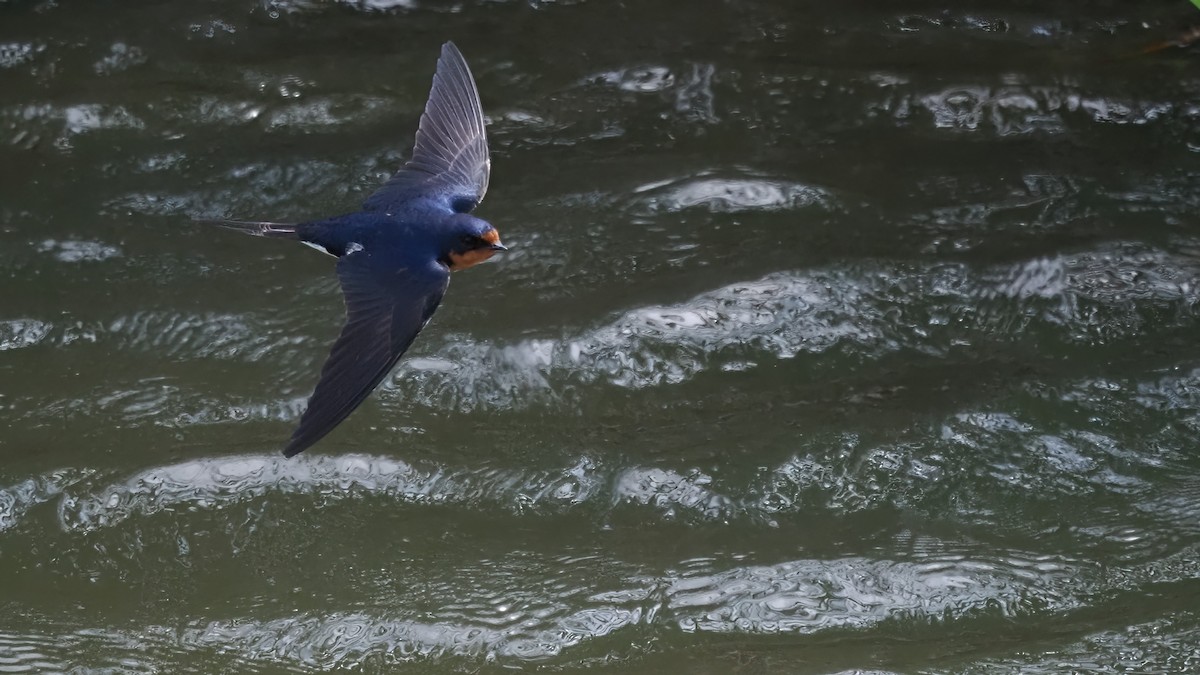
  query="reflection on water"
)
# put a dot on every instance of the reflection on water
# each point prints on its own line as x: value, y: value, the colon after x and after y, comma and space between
x: 830, y: 337
x: 728, y: 195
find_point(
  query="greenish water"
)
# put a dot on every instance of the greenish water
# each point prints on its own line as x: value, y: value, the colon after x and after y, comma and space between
x: 835, y: 337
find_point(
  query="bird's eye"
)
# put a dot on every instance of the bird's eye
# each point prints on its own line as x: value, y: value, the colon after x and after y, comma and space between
x: 468, y: 239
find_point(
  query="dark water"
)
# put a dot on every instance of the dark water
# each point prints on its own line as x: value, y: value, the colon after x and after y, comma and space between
x: 836, y: 337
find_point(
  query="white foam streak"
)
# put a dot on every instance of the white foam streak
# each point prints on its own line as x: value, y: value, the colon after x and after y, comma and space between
x: 217, y: 483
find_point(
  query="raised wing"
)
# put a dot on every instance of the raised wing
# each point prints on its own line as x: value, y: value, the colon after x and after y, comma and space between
x: 450, y: 161
x: 385, y: 309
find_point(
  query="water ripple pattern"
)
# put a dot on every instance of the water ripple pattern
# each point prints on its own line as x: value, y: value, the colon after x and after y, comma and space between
x: 833, y: 338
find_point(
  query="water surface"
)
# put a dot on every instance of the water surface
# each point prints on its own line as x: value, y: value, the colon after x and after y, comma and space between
x: 835, y: 337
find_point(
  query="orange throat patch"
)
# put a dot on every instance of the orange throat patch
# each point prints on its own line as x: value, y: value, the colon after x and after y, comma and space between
x: 461, y: 261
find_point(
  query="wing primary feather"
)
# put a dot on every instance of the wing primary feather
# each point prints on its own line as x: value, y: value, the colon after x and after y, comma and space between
x: 450, y: 160
x: 385, y: 311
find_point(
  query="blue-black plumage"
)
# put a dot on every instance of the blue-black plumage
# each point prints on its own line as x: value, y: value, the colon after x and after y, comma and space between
x: 395, y: 256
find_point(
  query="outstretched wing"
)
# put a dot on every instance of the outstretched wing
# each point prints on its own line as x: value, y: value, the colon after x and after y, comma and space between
x: 385, y: 309
x: 450, y: 162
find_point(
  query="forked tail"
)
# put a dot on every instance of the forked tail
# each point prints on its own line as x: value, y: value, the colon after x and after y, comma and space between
x: 258, y: 229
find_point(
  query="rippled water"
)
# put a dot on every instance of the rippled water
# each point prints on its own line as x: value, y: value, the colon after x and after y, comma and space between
x: 850, y: 337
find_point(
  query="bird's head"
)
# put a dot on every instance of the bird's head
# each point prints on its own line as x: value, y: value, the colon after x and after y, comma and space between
x: 469, y: 241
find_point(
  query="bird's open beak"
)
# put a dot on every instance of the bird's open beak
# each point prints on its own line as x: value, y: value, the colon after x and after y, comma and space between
x: 498, y: 247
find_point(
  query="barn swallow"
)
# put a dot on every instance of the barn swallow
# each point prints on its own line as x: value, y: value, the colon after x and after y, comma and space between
x: 395, y: 256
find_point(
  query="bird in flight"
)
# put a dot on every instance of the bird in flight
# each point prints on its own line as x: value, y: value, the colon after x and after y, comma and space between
x: 396, y: 254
